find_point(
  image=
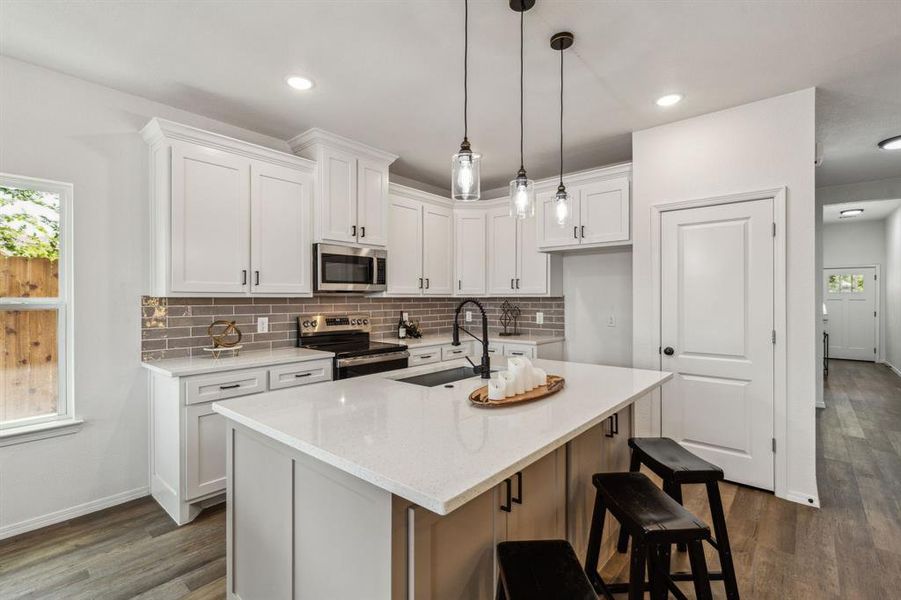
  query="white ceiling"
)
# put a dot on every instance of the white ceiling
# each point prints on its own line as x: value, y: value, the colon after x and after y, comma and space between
x: 389, y: 73
x: 873, y: 210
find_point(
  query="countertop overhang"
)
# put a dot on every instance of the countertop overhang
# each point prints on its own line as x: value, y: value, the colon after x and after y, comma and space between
x: 430, y: 445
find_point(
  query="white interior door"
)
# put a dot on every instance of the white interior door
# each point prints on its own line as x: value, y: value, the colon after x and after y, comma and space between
x: 850, y: 297
x: 281, y: 244
x: 716, y: 332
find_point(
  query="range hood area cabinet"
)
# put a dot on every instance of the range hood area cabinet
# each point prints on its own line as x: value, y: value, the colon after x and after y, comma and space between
x: 600, y: 210
x: 351, y: 199
x: 420, y: 245
x: 228, y: 218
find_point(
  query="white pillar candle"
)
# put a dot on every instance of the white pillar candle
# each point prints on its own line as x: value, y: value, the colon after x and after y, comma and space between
x: 539, y: 375
x: 509, y: 383
x: 497, y: 389
x: 521, y: 378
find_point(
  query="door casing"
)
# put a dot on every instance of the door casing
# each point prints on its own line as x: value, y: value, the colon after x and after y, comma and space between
x: 780, y: 366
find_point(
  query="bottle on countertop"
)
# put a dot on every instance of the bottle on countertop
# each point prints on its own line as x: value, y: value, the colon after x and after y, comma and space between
x: 401, y: 327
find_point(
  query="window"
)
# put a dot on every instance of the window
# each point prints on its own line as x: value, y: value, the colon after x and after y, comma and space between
x: 845, y: 283
x: 35, y: 303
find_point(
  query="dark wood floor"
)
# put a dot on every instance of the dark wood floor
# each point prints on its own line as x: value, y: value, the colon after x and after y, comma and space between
x: 849, y: 549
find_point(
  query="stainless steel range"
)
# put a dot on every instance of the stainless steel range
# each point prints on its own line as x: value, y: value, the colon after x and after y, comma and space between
x: 347, y: 335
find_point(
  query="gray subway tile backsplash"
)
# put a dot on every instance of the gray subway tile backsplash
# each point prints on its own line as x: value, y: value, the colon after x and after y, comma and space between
x: 176, y: 327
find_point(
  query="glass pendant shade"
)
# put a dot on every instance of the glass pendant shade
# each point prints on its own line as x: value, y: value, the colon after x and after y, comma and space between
x: 465, y: 178
x: 522, y: 197
x: 561, y: 207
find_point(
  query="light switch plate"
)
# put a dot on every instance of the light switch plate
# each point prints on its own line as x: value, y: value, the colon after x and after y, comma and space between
x: 539, y: 318
x: 262, y: 324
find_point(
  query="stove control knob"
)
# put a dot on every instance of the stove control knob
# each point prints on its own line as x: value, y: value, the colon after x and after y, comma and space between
x: 314, y: 323
x: 365, y: 321
x: 306, y: 323
x: 353, y: 321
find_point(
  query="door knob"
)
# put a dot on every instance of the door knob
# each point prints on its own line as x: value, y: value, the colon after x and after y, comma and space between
x: 668, y: 351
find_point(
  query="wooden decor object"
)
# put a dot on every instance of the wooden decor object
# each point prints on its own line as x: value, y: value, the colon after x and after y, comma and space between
x: 225, y: 335
x: 554, y: 384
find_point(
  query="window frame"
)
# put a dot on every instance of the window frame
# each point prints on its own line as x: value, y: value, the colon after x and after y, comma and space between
x: 62, y: 304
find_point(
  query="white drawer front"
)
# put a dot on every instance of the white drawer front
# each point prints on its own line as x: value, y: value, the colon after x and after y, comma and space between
x: 450, y: 352
x: 313, y: 371
x: 424, y: 356
x: 224, y: 385
x: 519, y: 350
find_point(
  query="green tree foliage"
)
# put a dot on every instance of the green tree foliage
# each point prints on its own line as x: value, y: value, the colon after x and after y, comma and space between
x: 29, y: 223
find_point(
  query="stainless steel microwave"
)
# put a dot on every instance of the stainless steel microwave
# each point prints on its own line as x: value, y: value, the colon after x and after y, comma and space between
x: 342, y: 269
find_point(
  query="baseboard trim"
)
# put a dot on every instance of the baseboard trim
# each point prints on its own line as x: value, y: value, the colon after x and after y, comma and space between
x: 892, y: 367
x: 79, y: 510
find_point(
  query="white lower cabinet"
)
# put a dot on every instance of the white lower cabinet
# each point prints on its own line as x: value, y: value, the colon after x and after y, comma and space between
x: 425, y: 356
x: 188, y: 442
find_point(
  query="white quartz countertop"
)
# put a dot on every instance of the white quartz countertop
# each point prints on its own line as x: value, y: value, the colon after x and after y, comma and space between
x: 196, y: 365
x: 446, y: 338
x: 430, y: 445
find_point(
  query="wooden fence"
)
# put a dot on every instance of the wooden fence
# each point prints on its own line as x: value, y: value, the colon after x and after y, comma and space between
x: 28, y: 345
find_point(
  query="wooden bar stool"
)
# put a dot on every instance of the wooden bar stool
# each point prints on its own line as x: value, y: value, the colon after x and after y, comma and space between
x: 656, y: 522
x: 675, y: 466
x: 541, y: 570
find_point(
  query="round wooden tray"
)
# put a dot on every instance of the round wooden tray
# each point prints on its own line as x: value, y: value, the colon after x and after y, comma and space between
x: 554, y: 384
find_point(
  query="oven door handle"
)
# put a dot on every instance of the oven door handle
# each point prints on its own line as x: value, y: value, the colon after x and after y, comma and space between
x: 376, y: 358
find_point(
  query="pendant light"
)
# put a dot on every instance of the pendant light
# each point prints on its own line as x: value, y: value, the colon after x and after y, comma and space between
x: 522, y: 189
x: 465, y: 184
x: 560, y: 42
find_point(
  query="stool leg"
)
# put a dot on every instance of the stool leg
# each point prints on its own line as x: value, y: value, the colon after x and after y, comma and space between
x: 636, y: 571
x: 501, y: 592
x: 699, y: 571
x: 623, y: 542
x: 674, y: 491
x: 722, y: 539
x: 658, y: 563
x: 593, y: 554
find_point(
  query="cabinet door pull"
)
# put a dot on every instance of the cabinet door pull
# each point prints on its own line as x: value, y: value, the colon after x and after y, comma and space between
x: 575, y: 232
x: 426, y: 283
x: 611, y: 432
x: 244, y: 277
x: 583, y: 231
x: 459, y: 284
x: 257, y: 275
x: 508, y: 505
x: 512, y: 279
x: 420, y: 283
x: 425, y: 356
x: 363, y: 231
x: 517, y: 353
x: 230, y: 387
x: 517, y: 283
x: 517, y: 499
x: 307, y: 374
x: 615, y: 423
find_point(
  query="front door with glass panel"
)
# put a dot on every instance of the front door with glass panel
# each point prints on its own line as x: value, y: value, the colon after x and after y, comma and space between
x: 850, y: 297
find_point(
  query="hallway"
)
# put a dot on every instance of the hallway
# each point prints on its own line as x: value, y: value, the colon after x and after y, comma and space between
x: 851, y: 547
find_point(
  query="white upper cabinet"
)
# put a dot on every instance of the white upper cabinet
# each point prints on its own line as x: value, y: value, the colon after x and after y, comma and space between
x: 470, y: 257
x: 210, y: 220
x: 531, y: 265
x: 404, y: 275
x: 599, y: 210
x: 228, y: 218
x: 515, y: 266
x: 438, y: 250
x: 501, y: 251
x: 338, y: 217
x: 281, y: 252
x: 351, y: 199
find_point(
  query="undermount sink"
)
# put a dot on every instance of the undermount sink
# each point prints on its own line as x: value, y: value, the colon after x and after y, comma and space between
x: 440, y: 377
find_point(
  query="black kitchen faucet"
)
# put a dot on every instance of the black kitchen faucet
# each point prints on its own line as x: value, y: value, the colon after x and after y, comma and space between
x: 485, y: 368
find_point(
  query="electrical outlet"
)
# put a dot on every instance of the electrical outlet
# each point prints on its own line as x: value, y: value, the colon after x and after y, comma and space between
x: 468, y: 316
x: 262, y: 324
x: 611, y: 320
x: 405, y: 316
x: 539, y: 318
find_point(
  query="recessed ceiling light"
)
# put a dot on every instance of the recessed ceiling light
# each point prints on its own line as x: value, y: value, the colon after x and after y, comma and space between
x: 893, y: 143
x: 669, y: 99
x: 298, y: 82
x: 851, y: 212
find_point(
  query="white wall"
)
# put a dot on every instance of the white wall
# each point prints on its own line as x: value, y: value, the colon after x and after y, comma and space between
x: 757, y: 146
x: 891, y: 277
x: 852, y: 244
x: 595, y: 286
x: 57, y: 127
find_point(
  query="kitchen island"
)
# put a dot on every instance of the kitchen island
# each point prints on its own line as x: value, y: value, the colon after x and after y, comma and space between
x: 374, y: 488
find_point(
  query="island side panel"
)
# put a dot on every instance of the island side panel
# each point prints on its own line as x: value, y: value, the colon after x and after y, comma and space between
x: 298, y: 528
